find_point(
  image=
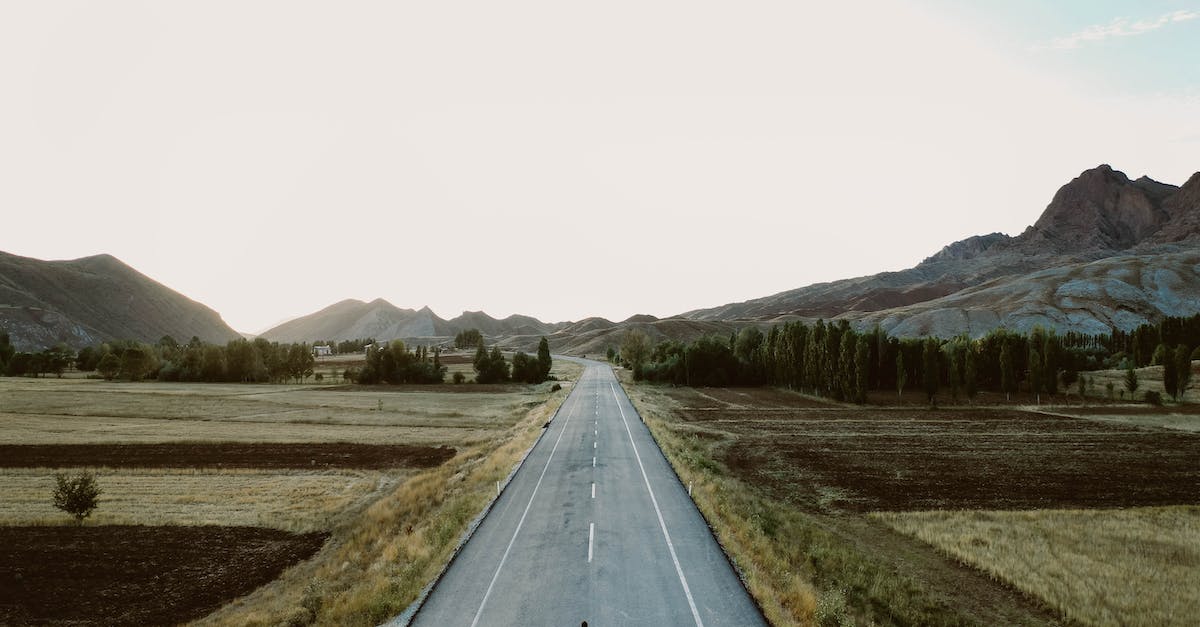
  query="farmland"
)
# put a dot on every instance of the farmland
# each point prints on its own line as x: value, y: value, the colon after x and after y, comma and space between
x: 1095, y: 566
x: 789, y: 484
x: 323, y: 484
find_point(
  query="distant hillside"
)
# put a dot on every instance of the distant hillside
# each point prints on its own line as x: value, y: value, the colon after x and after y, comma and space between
x: 995, y: 280
x: 1120, y: 292
x: 93, y: 299
x: 352, y: 319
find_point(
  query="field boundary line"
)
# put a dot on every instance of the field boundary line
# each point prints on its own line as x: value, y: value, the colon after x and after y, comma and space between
x: 410, y: 612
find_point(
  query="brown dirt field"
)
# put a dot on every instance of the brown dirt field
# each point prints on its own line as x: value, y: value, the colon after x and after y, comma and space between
x: 744, y: 398
x: 788, y: 538
x: 133, y: 575
x: 223, y: 455
x: 866, y: 459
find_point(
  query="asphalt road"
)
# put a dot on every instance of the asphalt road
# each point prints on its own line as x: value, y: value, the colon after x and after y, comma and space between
x: 594, y: 527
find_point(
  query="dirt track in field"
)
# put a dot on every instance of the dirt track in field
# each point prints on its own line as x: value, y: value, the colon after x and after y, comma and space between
x: 132, y: 575
x: 224, y: 455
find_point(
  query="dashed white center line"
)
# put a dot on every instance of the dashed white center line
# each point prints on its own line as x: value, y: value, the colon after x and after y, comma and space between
x: 593, y: 445
x: 593, y: 462
x: 593, y: 490
x: 487, y: 593
x: 591, y: 535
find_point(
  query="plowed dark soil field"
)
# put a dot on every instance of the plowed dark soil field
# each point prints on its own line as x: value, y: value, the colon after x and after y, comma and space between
x: 118, y: 575
x: 865, y: 459
x: 223, y: 455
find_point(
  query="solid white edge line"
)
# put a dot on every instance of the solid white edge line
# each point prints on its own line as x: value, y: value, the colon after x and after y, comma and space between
x: 521, y: 522
x: 661, y: 523
x: 591, y: 534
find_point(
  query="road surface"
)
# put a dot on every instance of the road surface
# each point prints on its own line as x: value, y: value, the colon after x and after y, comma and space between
x: 594, y: 527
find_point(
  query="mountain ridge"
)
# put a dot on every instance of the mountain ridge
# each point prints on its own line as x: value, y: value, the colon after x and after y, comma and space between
x: 1098, y: 215
x: 92, y: 299
x: 353, y: 319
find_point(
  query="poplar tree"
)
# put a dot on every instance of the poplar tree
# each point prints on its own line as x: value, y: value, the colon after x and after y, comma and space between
x: 955, y: 369
x: 543, y: 360
x: 929, y: 368
x: 1035, y: 374
x: 1007, y: 376
x: 970, y: 373
x: 1131, y: 380
x: 1169, y: 370
x: 1183, y: 373
x: 862, y: 357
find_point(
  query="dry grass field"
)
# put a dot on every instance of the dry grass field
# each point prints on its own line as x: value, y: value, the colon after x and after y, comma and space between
x: 292, y: 501
x: 1099, y: 567
x: 256, y: 458
x: 788, y: 483
x: 71, y: 411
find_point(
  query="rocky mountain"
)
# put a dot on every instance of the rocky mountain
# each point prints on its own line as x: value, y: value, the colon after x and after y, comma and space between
x: 352, y: 319
x: 1121, y: 292
x: 89, y: 300
x: 988, y: 281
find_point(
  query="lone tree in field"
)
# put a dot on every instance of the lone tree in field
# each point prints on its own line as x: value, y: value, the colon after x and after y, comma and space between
x: 78, y: 495
x: 1183, y: 373
x: 635, y: 348
x: 109, y: 366
x: 1131, y: 380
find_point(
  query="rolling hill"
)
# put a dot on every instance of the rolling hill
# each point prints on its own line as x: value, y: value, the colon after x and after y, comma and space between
x: 89, y: 300
x: 379, y: 319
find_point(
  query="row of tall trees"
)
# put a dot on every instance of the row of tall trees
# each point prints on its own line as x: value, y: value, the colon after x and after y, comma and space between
x: 395, y: 363
x: 259, y: 360
x: 13, y: 363
x: 839, y: 362
x: 470, y: 338
x: 167, y: 360
x: 491, y: 367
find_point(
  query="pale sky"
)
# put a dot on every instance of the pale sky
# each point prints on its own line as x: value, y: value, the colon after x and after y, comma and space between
x: 564, y: 159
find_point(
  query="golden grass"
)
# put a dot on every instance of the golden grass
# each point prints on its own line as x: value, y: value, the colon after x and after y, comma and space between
x: 1137, y: 566
x: 749, y: 527
x: 53, y: 411
x: 292, y: 501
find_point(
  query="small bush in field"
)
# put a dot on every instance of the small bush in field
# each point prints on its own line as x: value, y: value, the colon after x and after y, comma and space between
x: 78, y: 495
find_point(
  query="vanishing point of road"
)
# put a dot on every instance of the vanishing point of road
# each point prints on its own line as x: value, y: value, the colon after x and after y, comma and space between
x: 594, y: 527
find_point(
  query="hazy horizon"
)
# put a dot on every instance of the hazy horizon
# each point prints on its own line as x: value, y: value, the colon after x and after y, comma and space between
x: 269, y: 160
